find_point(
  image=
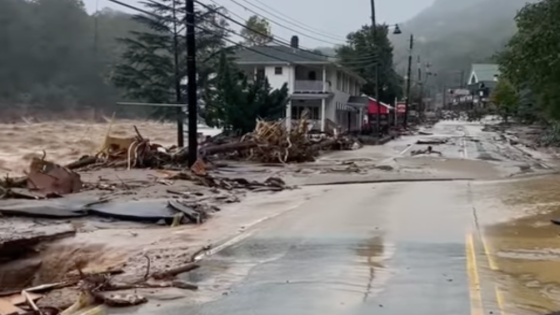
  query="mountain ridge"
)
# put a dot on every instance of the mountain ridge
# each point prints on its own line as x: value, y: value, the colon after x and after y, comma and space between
x: 451, y: 34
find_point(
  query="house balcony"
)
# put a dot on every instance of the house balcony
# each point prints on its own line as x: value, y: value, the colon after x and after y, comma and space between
x: 309, y: 87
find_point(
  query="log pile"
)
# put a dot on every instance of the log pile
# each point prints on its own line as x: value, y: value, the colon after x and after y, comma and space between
x: 274, y: 143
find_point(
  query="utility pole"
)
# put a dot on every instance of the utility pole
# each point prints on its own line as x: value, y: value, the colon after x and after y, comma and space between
x: 179, y: 110
x: 376, y: 78
x: 408, y: 75
x: 419, y: 67
x: 444, y: 97
x: 191, y: 77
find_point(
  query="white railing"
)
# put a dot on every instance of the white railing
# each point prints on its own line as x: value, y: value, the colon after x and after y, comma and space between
x: 310, y: 86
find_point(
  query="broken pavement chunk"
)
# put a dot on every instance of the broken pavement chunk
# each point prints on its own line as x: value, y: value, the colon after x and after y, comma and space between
x: 47, y: 208
x: 12, y: 244
x: 189, y: 212
x: 135, y: 210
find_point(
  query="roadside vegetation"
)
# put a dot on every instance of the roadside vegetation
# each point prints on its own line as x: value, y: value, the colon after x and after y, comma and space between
x: 530, y: 65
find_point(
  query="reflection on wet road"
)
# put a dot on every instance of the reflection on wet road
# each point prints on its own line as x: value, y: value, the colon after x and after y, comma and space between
x: 388, y: 249
x: 455, y: 247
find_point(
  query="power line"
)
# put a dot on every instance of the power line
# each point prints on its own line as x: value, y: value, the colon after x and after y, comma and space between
x: 199, y: 27
x: 284, y: 42
x: 280, y: 24
x: 287, y: 19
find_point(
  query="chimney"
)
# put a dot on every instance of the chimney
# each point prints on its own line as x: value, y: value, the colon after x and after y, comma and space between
x: 295, y: 42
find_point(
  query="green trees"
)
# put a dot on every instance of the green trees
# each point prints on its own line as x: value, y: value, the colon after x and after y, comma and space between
x: 154, y: 62
x: 49, y: 62
x: 353, y: 55
x: 257, y: 31
x: 236, y: 101
x: 154, y: 65
x: 531, y: 60
x: 506, y: 98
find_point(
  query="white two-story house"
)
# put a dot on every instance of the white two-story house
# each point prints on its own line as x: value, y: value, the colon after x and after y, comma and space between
x: 315, y: 83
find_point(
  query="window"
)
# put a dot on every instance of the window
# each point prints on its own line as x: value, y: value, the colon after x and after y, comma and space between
x: 277, y: 70
x: 312, y: 76
x: 260, y: 73
x: 338, y: 80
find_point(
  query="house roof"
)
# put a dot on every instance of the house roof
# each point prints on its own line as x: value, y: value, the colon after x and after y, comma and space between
x: 485, y: 72
x: 281, y: 55
x: 277, y: 55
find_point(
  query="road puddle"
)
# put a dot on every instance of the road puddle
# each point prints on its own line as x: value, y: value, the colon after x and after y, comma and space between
x: 526, y: 250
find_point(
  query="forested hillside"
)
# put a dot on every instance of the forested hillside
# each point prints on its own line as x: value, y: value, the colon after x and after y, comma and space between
x: 453, y: 34
x: 53, y: 54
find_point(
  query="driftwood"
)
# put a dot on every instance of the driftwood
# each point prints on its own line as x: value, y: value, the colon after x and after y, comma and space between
x: 84, y: 161
x: 228, y: 147
x: 170, y: 273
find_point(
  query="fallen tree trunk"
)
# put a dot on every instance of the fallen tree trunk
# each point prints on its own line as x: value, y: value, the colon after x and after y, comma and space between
x: 323, y: 144
x: 175, y: 271
x: 85, y: 161
x: 228, y: 147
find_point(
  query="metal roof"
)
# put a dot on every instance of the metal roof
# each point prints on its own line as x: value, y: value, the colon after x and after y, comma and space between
x: 486, y: 72
x: 277, y: 55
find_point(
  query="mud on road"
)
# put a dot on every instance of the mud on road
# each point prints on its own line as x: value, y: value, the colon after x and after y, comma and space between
x: 471, y: 226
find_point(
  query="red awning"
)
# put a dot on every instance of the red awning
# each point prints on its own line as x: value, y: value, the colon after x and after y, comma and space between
x: 372, y: 107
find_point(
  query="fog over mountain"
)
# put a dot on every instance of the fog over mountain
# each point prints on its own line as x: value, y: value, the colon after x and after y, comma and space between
x: 452, y: 34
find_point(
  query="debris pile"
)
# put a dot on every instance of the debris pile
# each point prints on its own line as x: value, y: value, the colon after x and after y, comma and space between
x: 95, y: 289
x: 274, y: 143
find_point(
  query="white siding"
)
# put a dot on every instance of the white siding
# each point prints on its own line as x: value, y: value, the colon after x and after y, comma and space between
x: 339, y: 96
x: 277, y: 80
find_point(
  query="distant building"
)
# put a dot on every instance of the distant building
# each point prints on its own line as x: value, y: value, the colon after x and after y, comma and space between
x: 482, y: 81
x: 316, y: 84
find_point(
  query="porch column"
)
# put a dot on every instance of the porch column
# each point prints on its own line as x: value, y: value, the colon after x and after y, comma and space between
x: 323, y: 101
x: 323, y: 110
x: 289, y: 115
x: 360, y: 118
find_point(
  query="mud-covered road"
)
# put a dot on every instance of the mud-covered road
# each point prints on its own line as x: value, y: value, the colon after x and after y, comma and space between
x: 478, y: 241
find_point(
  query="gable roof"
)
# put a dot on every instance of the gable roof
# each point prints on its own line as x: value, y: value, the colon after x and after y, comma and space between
x: 282, y: 55
x: 484, y: 72
x: 277, y: 55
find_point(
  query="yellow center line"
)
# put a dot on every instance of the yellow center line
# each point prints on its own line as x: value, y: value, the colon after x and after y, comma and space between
x: 494, y: 267
x: 474, y: 280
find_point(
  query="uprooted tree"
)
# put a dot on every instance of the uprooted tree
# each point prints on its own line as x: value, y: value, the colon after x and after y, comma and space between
x: 236, y: 101
x: 154, y: 63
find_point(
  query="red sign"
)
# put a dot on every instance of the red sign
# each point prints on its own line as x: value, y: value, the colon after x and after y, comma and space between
x: 401, y: 108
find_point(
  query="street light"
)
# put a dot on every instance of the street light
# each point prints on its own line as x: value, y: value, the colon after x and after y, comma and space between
x: 396, y: 31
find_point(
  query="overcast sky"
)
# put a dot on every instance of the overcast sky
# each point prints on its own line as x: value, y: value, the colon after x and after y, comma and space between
x: 328, y: 20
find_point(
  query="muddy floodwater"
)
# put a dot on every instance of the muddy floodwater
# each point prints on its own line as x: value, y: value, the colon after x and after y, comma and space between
x: 67, y: 141
x: 524, y: 252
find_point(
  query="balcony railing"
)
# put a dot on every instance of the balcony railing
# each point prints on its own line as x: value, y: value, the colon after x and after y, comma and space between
x: 310, y: 86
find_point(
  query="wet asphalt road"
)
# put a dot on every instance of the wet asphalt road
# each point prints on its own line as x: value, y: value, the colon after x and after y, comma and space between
x: 395, y: 248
